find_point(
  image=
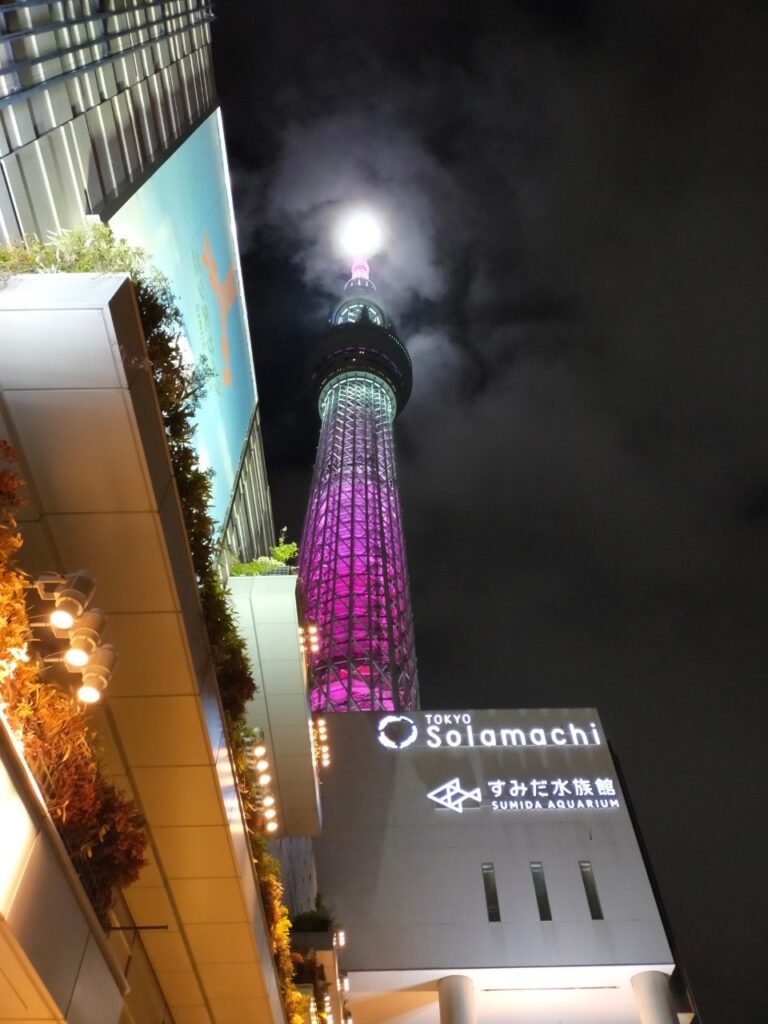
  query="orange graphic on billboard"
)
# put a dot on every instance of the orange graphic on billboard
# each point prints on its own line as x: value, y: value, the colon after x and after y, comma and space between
x: 225, y: 293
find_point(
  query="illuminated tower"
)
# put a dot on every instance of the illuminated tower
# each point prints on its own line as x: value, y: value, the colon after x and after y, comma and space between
x: 352, y: 554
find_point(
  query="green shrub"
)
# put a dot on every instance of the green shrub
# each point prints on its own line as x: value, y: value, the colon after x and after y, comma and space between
x: 285, y: 550
x: 318, y: 920
x: 279, y: 556
x: 263, y: 566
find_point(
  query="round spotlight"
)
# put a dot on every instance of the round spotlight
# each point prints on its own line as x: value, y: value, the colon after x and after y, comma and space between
x: 74, y: 593
x: 98, y: 672
x: 260, y: 750
x: 85, y: 637
x: 271, y: 826
x: 61, y: 619
x: 265, y: 779
x: 268, y: 801
x: 89, y: 694
x: 313, y: 628
x: 75, y: 657
x: 261, y: 766
x: 270, y: 813
x: 69, y: 608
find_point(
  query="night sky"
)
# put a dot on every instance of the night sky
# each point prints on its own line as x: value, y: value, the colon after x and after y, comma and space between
x: 576, y: 197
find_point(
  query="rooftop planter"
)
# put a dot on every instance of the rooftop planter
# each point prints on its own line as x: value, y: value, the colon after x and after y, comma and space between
x: 274, y: 564
x: 179, y: 388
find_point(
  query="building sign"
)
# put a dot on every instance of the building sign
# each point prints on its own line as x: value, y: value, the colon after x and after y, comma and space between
x: 480, y: 766
x: 456, y: 729
x: 541, y: 782
x: 182, y: 218
x: 533, y: 795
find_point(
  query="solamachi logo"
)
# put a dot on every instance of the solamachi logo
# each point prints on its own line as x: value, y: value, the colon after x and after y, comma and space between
x: 397, y: 731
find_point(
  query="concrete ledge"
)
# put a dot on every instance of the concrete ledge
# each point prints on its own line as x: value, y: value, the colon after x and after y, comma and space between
x: 77, y: 404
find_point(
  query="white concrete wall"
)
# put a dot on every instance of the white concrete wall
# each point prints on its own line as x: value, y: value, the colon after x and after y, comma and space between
x: 268, y: 619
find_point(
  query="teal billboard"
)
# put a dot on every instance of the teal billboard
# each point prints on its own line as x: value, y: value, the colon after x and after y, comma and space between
x: 182, y: 217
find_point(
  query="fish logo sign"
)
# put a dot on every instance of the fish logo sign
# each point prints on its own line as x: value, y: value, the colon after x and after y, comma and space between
x: 453, y: 796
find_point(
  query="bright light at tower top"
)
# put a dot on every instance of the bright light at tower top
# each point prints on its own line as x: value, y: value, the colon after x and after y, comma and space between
x: 360, y: 236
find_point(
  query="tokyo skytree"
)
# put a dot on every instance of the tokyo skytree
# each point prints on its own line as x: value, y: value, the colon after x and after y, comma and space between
x: 352, y: 555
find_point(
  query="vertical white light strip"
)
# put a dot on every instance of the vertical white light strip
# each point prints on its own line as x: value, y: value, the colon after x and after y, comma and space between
x: 233, y: 229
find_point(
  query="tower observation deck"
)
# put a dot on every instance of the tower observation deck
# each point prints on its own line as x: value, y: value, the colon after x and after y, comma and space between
x: 352, y: 554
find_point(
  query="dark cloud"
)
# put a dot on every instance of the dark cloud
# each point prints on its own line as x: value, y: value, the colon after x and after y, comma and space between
x: 578, y: 212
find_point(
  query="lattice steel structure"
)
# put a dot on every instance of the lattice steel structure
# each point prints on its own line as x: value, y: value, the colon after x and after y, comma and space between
x: 352, y: 554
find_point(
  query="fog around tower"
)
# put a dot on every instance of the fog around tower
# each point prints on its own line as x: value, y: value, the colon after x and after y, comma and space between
x: 307, y: 208
x: 577, y: 213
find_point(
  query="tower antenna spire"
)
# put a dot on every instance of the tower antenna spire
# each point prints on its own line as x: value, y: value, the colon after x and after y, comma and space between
x: 360, y: 270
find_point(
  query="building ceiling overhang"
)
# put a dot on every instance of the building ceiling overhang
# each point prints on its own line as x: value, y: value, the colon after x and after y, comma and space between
x: 78, y: 405
x: 513, y: 995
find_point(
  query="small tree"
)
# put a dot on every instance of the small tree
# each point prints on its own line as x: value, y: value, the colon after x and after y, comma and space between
x: 285, y: 550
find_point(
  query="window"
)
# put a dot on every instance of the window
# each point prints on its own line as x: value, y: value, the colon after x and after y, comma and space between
x: 590, y: 889
x: 491, y: 895
x: 354, y: 312
x: 540, y: 888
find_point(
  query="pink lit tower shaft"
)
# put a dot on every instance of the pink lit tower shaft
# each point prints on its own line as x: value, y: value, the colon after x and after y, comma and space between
x: 352, y: 554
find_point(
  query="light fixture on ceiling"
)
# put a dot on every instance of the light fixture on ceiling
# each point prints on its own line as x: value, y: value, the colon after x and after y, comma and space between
x: 97, y: 674
x: 84, y: 638
x: 71, y: 594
